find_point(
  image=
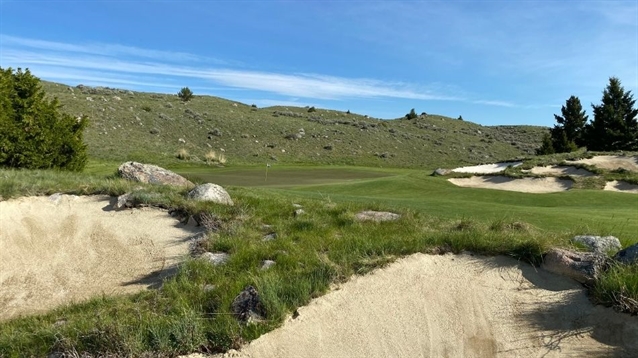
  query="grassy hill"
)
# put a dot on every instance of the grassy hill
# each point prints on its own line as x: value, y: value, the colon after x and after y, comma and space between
x: 127, y: 125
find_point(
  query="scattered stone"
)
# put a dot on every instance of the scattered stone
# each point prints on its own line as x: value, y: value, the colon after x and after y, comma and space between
x: 216, y: 258
x: 147, y: 173
x: 208, y: 288
x: 441, y: 172
x: 299, y: 212
x: 269, y: 237
x: 628, y: 256
x: 123, y: 202
x: 266, y: 264
x: 191, y: 221
x: 247, y: 305
x: 182, y: 140
x: 376, y: 216
x: 583, y: 267
x: 599, y: 244
x: 210, y: 192
x: 297, y: 206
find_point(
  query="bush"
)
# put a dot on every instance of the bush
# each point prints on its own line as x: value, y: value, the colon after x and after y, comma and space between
x: 35, y: 133
x: 185, y: 94
x: 411, y: 115
x: 312, y: 109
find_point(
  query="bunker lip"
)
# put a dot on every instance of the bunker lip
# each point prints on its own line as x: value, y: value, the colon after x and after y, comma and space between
x: 621, y: 186
x: 487, y: 168
x: 612, y: 162
x: 63, y: 248
x: 451, y: 305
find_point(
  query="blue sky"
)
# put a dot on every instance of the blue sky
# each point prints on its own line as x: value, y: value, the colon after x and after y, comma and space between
x: 493, y: 62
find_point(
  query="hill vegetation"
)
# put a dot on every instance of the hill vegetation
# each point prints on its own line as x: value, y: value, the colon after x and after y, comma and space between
x: 150, y: 127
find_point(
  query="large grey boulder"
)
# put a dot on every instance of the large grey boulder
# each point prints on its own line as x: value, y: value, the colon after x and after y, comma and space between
x: 583, y: 267
x: 210, y: 192
x: 377, y: 216
x: 599, y: 244
x: 148, y: 173
x: 628, y: 256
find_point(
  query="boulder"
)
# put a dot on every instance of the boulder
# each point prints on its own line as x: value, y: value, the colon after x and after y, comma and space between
x: 598, y: 244
x: 583, y: 267
x: 628, y: 256
x: 216, y: 258
x: 376, y: 216
x: 441, y: 172
x: 247, y: 305
x: 210, y: 192
x: 266, y: 264
x: 147, y: 173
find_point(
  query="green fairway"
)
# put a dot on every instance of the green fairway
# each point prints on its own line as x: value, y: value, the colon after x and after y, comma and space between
x: 282, y: 176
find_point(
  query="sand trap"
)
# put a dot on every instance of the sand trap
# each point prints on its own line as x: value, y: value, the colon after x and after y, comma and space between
x: 61, y: 249
x: 486, y: 168
x: 611, y: 162
x: 561, y: 170
x: 524, y: 185
x: 452, y: 306
x: 621, y: 186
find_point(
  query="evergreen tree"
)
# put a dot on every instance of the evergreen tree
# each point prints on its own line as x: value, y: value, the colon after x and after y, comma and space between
x: 547, y: 147
x: 411, y: 115
x: 572, y: 121
x: 34, y: 133
x: 615, y: 126
x: 185, y: 94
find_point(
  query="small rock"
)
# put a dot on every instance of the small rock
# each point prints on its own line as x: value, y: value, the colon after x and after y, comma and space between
x: 266, y: 264
x: 297, y: 206
x: 248, y: 305
x: 208, y: 287
x: 441, y: 172
x: 583, y: 267
x: 628, y: 256
x: 191, y: 221
x: 123, y: 202
x: 210, y: 192
x: 599, y: 244
x: 299, y: 212
x: 269, y: 237
x: 216, y: 258
x: 376, y: 216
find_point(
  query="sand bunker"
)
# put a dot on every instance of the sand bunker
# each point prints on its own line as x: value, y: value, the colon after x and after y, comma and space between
x: 452, y: 306
x: 561, y: 170
x: 62, y: 249
x: 524, y: 185
x: 611, y: 162
x: 621, y: 186
x: 486, y: 168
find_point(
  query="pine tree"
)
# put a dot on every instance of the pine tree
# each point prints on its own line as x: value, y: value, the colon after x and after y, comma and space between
x: 547, y: 147
x: 185, y: 94
x: 34, y: 133
x: 411, y: 115
x: 615, y: 126
x: 572, y: 121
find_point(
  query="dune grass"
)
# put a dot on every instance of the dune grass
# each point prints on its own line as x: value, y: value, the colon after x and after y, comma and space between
x: 191, y: 312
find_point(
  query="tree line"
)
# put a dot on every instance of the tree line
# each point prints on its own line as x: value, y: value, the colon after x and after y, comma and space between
x: 614, y: 126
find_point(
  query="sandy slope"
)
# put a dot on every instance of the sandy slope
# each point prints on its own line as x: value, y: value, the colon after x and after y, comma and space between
x: 561, y: 170
x: 60, y: 249
x: 525, y: 185
x: 611, y: 162
x: 452, y: 306
x: 486, y: 168
x: 621, y: 186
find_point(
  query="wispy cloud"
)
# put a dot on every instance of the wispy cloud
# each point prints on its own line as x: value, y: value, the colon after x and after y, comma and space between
x: 64, y: 61
x: 495, y: 103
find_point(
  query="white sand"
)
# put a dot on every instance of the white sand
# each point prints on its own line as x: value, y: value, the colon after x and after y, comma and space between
x: 452, y: 306
x: 54, y: 252
x: 486, y: 168
x: 561, y: 170
x: 611, y: 162
x: 621, y: 186
x: 524, y: 185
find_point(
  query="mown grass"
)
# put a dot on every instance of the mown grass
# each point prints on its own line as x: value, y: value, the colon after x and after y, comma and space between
x: 191, y: 312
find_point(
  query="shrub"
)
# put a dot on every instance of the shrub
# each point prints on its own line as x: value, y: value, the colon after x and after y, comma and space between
x: 312, y: 109
x: 35, y: 133
x: 411, y: 115
x: 146, y: 108
x: 183, y: 154
x: 185, y: 94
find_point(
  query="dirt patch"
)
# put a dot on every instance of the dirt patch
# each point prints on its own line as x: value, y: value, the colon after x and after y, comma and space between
x: 452, y: 306
x: 561, y: 170
x: 487, y: 168
x: 612, y: 162
x: 62, y: 249
x: 621, y: 186
x: 524, y: 185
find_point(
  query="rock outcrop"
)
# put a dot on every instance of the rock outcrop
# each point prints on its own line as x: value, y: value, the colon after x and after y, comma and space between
x: 599, y: 244
x: 628, y: 256
x: 148, y: 173
x: 583, y: 267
